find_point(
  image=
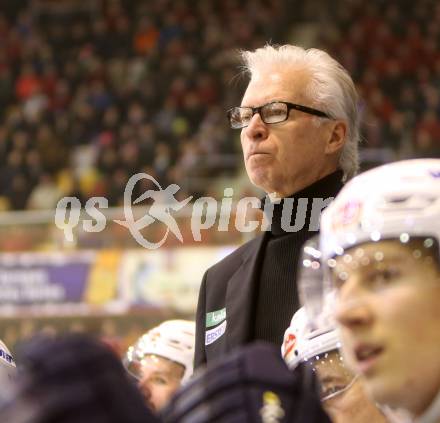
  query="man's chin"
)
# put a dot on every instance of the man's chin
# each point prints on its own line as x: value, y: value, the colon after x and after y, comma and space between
x: 260, y: 178
x: 258, y: 183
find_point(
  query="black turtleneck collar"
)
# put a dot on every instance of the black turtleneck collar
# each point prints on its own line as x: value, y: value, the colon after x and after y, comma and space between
x: 329, y: 186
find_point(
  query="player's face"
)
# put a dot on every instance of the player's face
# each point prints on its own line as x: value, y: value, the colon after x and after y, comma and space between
x: 343, y: 395
x: 287, y: 156
x: 334, y: 377
x: 388, y: 306
x: 160, y: 378
x: 353, y: 405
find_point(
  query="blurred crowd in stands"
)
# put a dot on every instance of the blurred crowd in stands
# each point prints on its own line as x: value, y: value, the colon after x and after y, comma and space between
x: 93, y: 92
x: 392, y: 50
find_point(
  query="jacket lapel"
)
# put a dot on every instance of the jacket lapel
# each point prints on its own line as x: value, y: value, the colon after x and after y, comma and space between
x: 240, y: 295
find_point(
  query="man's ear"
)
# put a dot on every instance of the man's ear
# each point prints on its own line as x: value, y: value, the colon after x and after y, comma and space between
x: 337, y: 137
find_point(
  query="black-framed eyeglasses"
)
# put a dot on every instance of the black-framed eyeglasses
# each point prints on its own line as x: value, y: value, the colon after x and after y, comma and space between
x: 274, y: 112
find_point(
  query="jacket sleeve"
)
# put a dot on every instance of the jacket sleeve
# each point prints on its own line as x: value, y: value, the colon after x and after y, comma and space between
x: 200, y: 354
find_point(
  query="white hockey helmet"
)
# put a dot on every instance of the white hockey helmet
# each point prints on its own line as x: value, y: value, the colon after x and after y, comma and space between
x: 319, y: 349
x: 394, y: 201
x: 302, y: 342
x: 397, y: 202
x: 172, y: 339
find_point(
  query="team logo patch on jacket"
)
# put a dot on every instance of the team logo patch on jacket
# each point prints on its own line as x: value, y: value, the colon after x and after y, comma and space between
x: 213, y: 334
x: 215, y: 317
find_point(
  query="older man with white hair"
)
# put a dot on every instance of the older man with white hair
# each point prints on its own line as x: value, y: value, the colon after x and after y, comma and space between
x: 299, y: 134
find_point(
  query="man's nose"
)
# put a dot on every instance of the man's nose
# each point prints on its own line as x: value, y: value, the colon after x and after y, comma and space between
x: 256, y: 130
x: 354, y: 313
x: 144, y: 387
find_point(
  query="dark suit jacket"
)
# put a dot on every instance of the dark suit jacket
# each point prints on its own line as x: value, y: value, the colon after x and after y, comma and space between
x: 229, y: 284
x: 226, y: 308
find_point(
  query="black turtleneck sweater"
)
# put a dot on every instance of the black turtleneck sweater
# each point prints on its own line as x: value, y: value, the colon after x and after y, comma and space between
x: 277, y: 295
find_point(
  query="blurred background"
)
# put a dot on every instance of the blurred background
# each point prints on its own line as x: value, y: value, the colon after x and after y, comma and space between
x: 93, y: 92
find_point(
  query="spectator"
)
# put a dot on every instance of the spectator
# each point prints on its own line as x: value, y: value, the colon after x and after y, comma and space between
x: 45, y: 194
x: 64, y: 72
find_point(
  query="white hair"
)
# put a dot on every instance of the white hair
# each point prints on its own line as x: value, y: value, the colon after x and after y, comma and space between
x: 331, y: 89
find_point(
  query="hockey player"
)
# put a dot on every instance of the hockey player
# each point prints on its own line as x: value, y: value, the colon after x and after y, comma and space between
x: 380, y: 241
x: 342, y: 393
x: 162, y: 360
